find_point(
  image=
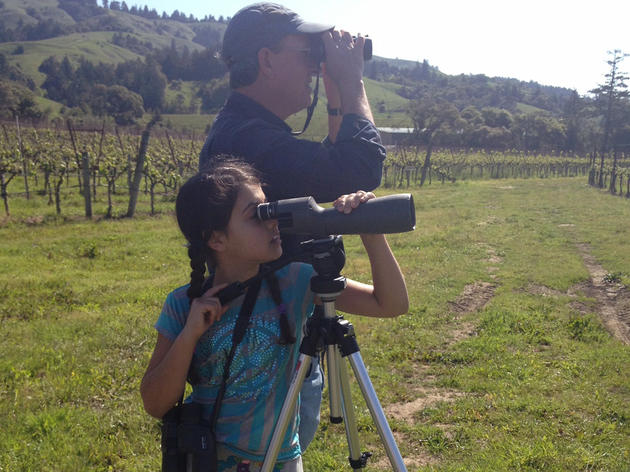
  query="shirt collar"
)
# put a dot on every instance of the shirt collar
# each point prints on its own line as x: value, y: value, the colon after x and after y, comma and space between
x: 252, y: 108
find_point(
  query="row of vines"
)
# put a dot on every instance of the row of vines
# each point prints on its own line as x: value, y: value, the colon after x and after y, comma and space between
x: 94, y: 163
x: 404, y: 167
x: 98, y: 164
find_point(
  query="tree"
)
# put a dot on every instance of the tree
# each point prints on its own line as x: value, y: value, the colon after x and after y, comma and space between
x: 56, y: 163
x: 610, y: 96
x: 124, y: 105
x: 110, y: 165
x: 10, y: 167
x: 433, y: 120
x: 573, y: 117
x: 16, y: 100
x: 496, y: 117
x: 137, y: 175
x: 145, y: 79
x: 539, y: 131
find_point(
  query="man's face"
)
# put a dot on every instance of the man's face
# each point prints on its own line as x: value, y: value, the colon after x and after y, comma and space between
x: 295, y: 70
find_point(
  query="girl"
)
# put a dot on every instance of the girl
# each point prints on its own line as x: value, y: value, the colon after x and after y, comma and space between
x: 216, y: 212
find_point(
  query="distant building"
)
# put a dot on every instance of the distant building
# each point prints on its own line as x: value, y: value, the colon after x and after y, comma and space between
x: 395, y: 136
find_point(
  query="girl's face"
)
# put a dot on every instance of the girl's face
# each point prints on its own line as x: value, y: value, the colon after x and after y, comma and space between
x: 247, y: 238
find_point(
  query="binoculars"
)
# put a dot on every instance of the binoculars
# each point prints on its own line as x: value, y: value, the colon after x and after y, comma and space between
x: 319, y: 52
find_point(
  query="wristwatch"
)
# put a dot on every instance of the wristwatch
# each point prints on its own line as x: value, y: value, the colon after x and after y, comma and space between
x: 334, y: 111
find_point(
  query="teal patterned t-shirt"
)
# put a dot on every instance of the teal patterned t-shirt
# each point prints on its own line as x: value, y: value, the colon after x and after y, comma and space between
x: 261, y: 370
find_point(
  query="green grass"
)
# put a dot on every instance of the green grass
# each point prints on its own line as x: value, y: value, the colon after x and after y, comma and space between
x: 539, y: 386
x: 184, y: 123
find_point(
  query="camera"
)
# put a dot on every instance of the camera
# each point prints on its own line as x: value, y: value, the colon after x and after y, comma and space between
x: 318, y: 50
x: 188, y: 443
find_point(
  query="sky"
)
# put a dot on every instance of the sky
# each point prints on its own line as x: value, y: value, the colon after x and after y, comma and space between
x: 553, y: 42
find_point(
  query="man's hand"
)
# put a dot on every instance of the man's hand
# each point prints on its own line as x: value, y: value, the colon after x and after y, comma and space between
x: 344, y: 66
x: 344, y: 57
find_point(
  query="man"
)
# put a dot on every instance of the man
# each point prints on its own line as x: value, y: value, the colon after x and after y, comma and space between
x: 269, y: 53
x: 272, y: 57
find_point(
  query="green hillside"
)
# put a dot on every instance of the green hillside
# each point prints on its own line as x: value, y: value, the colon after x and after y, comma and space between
x: 96, y: 46
x: 177, y: 54
x: 30, y: 11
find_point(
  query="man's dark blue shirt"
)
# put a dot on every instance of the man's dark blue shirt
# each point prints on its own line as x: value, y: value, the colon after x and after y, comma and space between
x: 293, y: 167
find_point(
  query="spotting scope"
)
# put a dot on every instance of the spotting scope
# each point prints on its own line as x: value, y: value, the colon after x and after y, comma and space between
x: 382, y: 215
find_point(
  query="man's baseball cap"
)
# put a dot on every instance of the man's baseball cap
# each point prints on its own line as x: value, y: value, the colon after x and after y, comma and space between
x: 262, y: 25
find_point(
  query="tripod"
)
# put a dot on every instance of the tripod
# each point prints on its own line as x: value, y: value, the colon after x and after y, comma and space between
x: 335, y: 335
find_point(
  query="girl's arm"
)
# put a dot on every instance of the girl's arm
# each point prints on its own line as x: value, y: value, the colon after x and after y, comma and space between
x: 165, y: 379
x: 388, y: 296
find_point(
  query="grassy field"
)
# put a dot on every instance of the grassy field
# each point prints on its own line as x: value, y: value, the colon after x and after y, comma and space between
x: 501, y: 364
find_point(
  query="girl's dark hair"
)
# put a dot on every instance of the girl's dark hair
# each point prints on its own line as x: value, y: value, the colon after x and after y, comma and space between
x: 204, y: 204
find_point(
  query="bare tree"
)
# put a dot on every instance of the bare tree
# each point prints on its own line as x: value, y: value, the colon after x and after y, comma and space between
x: 611, y: 96
x: 432, y: 119
x: 137, y: 175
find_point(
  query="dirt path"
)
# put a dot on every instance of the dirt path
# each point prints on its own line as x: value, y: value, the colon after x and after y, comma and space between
x: 473, y: 298
x: 613, y: 299
x: 612, y: 304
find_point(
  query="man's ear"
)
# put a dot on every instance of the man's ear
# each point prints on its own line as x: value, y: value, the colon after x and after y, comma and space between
x: 217, y: 241
x: 266, y: 61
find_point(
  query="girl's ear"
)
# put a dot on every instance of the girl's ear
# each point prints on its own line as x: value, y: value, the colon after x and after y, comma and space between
x: 217, y: 241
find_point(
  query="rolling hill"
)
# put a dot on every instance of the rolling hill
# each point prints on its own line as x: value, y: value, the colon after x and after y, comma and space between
x: 35, y: 30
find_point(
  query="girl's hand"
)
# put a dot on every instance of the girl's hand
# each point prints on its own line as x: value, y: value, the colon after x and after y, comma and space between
x: 346, y: 203
x: 204, y: 312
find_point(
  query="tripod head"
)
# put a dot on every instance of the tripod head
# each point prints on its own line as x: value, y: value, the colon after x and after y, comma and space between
x: 327, y: 256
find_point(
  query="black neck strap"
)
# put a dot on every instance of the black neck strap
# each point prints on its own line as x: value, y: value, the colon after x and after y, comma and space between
x: 237, y: 336
x: 310, y: 109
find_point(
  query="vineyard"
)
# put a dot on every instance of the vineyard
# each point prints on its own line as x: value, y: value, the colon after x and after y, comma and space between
x: 52, y: 163
x: 403, y: 167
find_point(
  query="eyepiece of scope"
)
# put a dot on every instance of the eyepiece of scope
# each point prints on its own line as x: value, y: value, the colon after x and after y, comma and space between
x: 267, y: 211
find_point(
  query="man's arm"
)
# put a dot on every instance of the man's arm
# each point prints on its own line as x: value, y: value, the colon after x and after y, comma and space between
x: 333, y: 99
x: 296, y: 167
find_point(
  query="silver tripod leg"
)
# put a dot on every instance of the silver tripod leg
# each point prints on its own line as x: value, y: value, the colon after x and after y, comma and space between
x: 384, y: 431
x: 340, y: 394
x: 350, y: 422
x: 287, y: 413
x: 338, y: 371
x: 333, y: 359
